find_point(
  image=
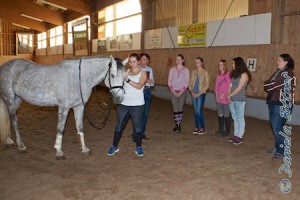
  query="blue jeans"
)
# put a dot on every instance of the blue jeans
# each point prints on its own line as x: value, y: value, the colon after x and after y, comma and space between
x: 237, y: 109
x: 198, y: 110
x: 123, y: 115
x: 147, y: 97
x: 277, y: 123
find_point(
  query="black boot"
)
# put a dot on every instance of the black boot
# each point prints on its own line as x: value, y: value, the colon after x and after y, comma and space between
x: 227, y: 126
x: 177, y: 128
x: 221, y: 126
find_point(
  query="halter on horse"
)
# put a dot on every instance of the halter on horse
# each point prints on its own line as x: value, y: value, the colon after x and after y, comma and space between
x: 67, y: 84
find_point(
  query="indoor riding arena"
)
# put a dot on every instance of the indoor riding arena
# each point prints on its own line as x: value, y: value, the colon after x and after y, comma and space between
x: 64, y: 80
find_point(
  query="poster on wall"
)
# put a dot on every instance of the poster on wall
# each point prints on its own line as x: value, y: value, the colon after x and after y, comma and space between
x: 113, y: 44
x: 80, y: 37
x: 80, y: 42
x: 193, y: 35
x: 155, y: 38
x: 125, y: 42
x: 101, y: 45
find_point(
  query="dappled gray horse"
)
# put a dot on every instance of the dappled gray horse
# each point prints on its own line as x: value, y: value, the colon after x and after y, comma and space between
x: 67, y: 84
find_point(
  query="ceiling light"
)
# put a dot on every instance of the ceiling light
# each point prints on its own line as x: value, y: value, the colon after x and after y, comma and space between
x: 30, y: 17
x: 52, y: 4
x: 20, y: 26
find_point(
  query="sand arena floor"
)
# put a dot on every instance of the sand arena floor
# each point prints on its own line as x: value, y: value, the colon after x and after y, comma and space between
x: 175, y: 166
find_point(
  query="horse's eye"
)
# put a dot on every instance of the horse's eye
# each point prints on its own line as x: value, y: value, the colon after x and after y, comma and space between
x: 113, y: 76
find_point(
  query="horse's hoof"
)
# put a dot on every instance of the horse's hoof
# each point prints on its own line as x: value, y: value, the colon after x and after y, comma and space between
x: 87, y: 153
x: 22, y: 151
x: 60, y: 157
x: 10, y: 145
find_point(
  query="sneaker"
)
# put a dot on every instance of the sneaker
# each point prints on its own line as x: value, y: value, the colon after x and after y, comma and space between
x: 238, y: 141
x: 277, y: 156
x: 201, y: 131
x: 219, y: 132
x: 231, y: 140
x: 139, y: 151
x: 112, y: 150
x: 195, y: 132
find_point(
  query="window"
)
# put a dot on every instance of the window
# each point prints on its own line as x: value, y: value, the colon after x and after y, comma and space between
x: 42, y: 40
x: 119, y: 19
x: 78, y: 28
x: 56, y: 36
x: 25, y: 39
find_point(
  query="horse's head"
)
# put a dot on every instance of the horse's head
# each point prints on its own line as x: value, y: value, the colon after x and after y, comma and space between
x: 115, y: 80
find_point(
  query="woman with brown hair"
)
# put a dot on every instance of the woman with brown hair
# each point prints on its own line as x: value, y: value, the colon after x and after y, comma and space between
x: 198, y: 86
x: 222, y: 87
x: 178, y: 81
x: 240, y: 78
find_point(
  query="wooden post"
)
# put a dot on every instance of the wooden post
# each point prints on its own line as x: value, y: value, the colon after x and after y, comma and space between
x: 4, y: 123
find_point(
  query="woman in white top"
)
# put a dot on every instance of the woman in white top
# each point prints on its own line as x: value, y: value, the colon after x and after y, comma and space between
x: 131, y: 106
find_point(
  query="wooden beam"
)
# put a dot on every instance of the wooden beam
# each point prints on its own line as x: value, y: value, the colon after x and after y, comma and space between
x: 14, y: 17
x: 81, y: 6
x: 28, y: 7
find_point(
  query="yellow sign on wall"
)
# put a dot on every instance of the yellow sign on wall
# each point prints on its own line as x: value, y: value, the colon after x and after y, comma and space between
x: 192, y: 35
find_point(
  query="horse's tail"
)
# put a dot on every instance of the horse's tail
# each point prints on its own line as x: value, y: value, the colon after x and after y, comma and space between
x: 4, y: 123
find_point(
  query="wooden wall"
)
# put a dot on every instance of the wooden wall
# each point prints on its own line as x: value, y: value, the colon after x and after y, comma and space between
x: 183, y: 12
x: 8, y: 37
x: 266, y: 62
x: 285, y: 38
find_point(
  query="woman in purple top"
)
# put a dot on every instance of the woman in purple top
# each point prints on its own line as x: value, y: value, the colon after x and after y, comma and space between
x: 178, y: 82
x: 222, y: 87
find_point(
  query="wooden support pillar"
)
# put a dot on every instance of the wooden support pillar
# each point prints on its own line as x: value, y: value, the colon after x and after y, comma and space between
x: 4, y: 124
x: 277, y: 24
x: 195, y: 11
x: 146, y: 6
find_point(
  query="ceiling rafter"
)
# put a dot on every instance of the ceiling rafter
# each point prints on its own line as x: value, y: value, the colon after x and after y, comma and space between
x: 81, y: 6
x: 14, y: 17
x: 30, y: 8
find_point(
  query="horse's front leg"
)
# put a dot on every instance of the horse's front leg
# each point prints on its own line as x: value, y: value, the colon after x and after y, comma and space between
x: 62, y: 118
x: 78, y: 112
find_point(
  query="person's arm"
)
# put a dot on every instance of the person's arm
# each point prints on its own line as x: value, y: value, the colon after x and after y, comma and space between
x: 170, y: 82
x: 229, y: 90
x: 185, y: 83
x: 186, y: 80
x: 191, y: 82
x: 243, y: 81
x: 140, y: 84
x: 216, y: 88
x: 151, y: 77
x: 206, y: 78
x: 278, y: 84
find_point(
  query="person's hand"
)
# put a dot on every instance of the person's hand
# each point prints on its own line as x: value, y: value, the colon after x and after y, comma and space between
x: 229, y: 99
x: 174, y: 93
x: 126, y: 78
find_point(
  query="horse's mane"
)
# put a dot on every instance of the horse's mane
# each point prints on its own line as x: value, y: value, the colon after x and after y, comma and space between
x: 118, y: 60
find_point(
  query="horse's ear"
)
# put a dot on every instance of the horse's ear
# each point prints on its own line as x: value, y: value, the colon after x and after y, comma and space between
x: 124, y: 62
x: 112, y: 59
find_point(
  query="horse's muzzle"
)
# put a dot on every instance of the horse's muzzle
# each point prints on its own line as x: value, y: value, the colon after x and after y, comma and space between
x: 117, y: 94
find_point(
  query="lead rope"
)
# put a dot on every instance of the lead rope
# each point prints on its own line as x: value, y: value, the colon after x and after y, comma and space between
x: 100, y: 125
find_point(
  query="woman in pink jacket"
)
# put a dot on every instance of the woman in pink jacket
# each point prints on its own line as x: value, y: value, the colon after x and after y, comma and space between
x: 222, y: 87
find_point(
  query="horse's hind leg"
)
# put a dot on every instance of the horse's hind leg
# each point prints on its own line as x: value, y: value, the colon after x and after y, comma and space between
x: 12, y: 108
x: 62, y: 118
x: 78, y: 113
